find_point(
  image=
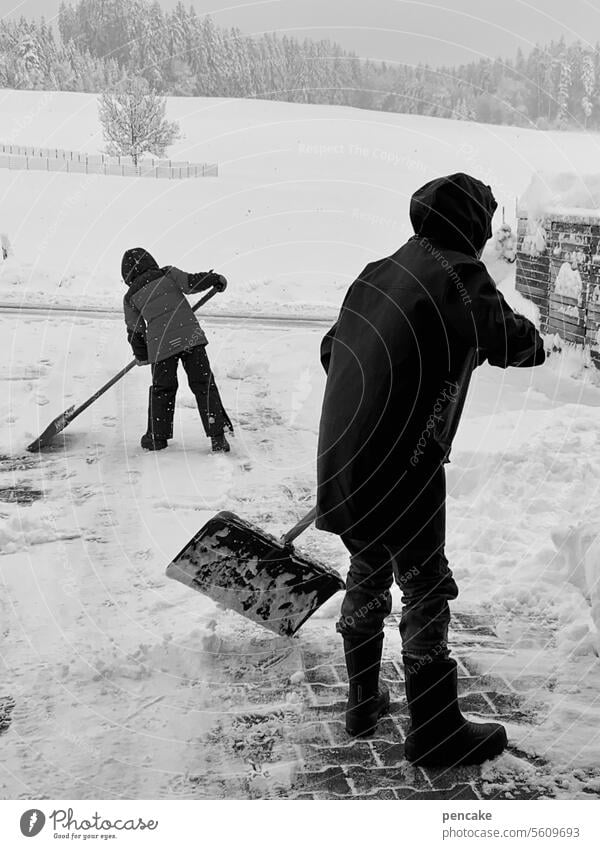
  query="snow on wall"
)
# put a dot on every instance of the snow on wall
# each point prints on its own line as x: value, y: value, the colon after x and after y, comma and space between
x: 568, y: 282
x: 534, y: 242
x: 505, y: 243
x: 565, y: 193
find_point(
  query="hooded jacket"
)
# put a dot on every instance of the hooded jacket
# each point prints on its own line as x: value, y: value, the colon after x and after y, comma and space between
x: 412, y: 328
x: 160, y: 321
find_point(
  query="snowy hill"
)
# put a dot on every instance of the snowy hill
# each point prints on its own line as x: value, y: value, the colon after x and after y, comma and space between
x: 306, y: 196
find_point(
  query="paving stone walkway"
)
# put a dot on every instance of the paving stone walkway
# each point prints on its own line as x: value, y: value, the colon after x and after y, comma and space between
x: 284, y: 737
x: 336, y: 767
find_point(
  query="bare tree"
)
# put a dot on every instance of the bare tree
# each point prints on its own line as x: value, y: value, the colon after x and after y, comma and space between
x: 133, y: 120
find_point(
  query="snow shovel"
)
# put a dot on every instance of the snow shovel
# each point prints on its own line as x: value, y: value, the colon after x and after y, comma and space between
x: 61, y: 422
x: 244, y: 569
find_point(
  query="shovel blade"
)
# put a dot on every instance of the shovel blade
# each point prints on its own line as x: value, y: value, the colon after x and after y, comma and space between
x: 243, y: 569
x: 55, y: 427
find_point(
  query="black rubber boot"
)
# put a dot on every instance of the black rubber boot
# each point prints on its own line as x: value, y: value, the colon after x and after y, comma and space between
x: 153, y: 443
x: 367, y: 698
x: 219, y: 443
x: 160, y: 416
x: 440, y: 735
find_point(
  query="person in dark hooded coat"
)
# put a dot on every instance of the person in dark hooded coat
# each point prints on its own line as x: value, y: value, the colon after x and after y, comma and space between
x: 411, y: 330
x: 163, y: 330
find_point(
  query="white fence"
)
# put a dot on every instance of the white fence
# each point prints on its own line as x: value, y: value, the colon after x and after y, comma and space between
x: 23, y: 158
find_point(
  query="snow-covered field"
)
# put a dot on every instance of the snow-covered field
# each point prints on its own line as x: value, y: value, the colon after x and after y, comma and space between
x: 306, y: 195
x: 115, y: 671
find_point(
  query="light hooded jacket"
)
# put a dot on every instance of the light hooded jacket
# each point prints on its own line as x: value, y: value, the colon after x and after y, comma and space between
x: 411, y: 330
x: 160, y: 321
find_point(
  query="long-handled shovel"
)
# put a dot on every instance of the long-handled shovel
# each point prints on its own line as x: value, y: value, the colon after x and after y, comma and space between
x: 61, y: 422
x: 242, y: 568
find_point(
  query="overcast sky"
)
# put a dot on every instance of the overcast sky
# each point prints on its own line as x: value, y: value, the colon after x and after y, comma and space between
x: 437, y: 32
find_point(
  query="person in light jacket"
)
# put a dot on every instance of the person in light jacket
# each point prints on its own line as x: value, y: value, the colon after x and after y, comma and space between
x: 412, y: 328
x: 163, y: 330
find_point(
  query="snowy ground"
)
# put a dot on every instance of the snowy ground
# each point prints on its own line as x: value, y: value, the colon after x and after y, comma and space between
x: 112, y: 666
x: 93, y: 631
x: 117, y: 674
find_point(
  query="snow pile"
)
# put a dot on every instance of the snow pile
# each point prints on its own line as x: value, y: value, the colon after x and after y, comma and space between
x: 568, y: 282
x: 21, y: 527
x: 245, y: 367
x: 517, y: 485
x: 508, y: 775
x: 579, y: 548
x: 565, y: 192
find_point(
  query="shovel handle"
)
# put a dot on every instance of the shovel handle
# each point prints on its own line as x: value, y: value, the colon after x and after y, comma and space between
x: 303, y: 524
x: 210, y: 294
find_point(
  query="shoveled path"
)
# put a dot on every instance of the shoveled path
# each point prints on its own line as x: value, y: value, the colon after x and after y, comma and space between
x: 287, y: 727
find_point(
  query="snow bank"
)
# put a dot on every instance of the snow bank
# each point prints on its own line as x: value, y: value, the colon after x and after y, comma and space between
x: 579, y: 548
x: 535, y: 556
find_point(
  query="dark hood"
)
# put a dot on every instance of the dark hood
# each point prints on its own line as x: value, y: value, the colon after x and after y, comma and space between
x: 136, y: 262
x: 455, y: 212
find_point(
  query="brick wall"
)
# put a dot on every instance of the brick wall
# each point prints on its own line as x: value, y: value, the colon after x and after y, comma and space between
x: 569, y: 239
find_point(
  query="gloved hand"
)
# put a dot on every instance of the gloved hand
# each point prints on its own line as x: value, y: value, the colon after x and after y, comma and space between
x: 220, y: 282
x: 141, y: 362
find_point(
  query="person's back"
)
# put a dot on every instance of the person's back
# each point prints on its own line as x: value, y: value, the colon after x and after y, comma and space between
x: 163, y: 329
x: 158, y: 296
x: 392, y: 357
x: 399, y: 359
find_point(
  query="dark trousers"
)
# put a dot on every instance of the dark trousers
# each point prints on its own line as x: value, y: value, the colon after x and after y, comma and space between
x: 161, y: 406
x: 415, y: 559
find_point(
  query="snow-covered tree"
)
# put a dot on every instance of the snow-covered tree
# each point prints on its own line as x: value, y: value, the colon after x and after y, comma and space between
x: 588, y: 80
x: 133, y: 120
x: 181, y: 52
x: 564, y: 89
